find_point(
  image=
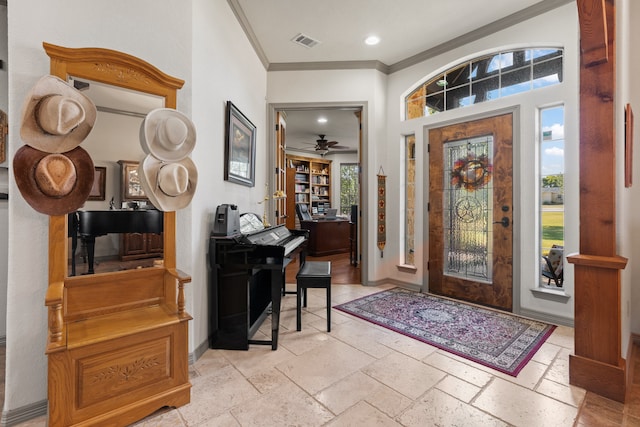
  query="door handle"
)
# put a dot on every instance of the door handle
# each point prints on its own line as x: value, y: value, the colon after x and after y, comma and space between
x: 504, y: 221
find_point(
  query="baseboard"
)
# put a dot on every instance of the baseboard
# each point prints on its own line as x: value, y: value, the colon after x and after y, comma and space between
x: 548, y: 318
x: 399, y: 283
x: 20, y: 415
x: 601, y: 378
x: 198, y: 352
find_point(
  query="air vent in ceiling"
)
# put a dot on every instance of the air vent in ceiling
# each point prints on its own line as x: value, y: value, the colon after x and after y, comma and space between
x: 305, y: 41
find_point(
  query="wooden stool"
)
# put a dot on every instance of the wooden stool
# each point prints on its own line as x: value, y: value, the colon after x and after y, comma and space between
x: 313, y: 274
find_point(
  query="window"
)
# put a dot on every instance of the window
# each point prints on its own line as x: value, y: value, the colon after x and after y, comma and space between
x: 410, y: 199
x: 484, y: 79
x: 552, y: 195
x: 348, y: 187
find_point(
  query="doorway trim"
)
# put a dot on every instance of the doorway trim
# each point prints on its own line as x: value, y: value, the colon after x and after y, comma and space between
x: 363, y: 155
x: 517, y: 182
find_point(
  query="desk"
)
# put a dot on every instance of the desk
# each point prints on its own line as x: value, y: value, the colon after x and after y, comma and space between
x: 327, y: 237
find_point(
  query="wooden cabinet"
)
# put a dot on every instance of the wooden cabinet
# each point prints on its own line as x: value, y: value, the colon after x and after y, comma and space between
x: 140, y: 245
x: 308, y: 182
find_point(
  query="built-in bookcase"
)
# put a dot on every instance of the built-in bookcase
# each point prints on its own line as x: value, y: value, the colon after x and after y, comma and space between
x: 309, y: 183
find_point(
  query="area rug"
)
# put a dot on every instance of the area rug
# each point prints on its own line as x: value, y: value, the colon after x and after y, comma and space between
x: 492, y: 338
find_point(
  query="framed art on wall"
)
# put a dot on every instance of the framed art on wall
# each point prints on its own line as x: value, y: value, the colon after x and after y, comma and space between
x: 99, y: 184
x: 240, y: 148
x: 131, y: 189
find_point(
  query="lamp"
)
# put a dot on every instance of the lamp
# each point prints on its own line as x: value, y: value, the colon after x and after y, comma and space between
x: 322, y: 151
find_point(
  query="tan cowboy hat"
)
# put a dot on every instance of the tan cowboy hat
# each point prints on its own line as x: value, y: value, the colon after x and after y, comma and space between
x: 55, y: 116
x: 167, y: 134
x: 169, y: 186
x: 53, y: 183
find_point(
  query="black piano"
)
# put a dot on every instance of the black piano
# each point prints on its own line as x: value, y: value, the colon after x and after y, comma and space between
x: 87, y: 225
x: 247, y: 282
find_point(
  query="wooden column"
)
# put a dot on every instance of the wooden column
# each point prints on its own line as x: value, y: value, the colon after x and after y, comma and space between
x: 597, y: 364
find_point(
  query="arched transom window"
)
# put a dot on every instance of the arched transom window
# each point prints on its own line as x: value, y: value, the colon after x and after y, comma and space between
x: 485, y: 78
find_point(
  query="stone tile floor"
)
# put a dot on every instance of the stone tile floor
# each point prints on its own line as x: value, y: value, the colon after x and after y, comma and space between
x: 363, y: 375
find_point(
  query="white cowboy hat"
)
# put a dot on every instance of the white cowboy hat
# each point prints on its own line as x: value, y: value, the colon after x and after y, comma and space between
x: 53, y: 183
x: 167, y: 134
x: 55, y: 116
x: 169, y: 186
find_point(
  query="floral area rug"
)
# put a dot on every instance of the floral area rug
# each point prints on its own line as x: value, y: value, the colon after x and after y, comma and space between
x: 492, y: 338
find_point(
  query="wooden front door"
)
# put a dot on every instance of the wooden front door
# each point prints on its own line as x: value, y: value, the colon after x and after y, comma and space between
x: 471, y: 211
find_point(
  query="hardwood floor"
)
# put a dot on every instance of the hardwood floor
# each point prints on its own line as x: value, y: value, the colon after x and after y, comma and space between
x: 342, y: 272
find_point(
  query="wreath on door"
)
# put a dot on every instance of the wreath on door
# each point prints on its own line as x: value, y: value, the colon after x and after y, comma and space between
x: 471, y: 172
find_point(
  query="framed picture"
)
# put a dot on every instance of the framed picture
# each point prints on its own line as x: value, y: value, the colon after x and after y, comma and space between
x: 131, y: 189
x: 99, y: 183
x: 240, y: 148
x: 628, y: 146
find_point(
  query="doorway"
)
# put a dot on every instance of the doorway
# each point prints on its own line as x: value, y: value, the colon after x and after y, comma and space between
x: 471, y: 211
x: 320, y: 133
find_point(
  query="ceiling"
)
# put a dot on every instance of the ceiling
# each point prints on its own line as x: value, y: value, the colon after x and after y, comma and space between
x: 410, y: 32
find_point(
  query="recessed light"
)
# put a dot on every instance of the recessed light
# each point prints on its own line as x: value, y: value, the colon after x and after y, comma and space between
x: 322, y: 120
x: 372, y: 40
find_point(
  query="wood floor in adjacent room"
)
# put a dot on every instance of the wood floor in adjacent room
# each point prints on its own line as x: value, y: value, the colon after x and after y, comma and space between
x: 342, y: 271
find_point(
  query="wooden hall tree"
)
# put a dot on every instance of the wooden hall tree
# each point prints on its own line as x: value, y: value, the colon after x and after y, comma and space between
x: 117, y: 343
x: 597, y: 364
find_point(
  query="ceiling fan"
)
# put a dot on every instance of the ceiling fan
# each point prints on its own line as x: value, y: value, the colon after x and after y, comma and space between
x: 323, y: 146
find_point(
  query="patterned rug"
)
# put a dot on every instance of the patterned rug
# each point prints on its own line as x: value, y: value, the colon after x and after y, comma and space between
x: 492, y: 338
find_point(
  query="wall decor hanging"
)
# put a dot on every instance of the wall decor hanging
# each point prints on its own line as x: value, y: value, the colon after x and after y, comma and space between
x: 628, y: 146
x: 382, y: 216
x: 240, y: 148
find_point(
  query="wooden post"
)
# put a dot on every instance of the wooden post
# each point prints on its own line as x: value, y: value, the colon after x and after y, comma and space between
x: 597, y: 364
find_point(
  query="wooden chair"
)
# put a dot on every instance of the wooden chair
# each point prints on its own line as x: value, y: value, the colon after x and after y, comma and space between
x: 552, y: 267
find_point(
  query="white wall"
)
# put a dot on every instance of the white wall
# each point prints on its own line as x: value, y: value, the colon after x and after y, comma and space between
x: 225, y: 67
x: 557, y: 28
x: 337, y: 87
x: 628, y: 221
x: 131, y: 27
x: 4, y: 178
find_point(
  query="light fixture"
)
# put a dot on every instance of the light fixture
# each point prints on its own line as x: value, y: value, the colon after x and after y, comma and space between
x: 372, y: 40
x: 322, y: 151
x: 322, y: 120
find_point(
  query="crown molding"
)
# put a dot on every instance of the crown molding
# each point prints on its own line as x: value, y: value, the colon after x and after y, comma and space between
x: 244, y: 23
x: 330, y: 65
x: 494, y: 27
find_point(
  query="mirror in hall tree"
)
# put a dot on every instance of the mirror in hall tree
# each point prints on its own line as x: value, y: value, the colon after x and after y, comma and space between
x: 124, y: 89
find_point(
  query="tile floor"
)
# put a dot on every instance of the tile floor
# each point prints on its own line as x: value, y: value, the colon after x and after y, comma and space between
x: 364, y: 375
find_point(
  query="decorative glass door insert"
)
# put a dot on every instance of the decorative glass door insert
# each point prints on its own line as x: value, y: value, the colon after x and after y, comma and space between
x: 468, y: 209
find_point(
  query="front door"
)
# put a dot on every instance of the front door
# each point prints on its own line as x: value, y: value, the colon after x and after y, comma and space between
x: 471, y: 211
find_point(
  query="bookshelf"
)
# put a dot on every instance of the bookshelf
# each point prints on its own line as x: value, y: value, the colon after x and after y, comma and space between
x: 309, y: 182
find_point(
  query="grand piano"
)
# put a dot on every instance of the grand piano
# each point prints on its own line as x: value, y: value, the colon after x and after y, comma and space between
x: 87, y: 225
x: 247, y: 283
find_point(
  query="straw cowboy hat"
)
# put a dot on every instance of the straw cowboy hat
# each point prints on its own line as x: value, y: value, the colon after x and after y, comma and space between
x: 53, y: 183
x: 55, y: 116
x: 168, y: 185
x: 167, y: 134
